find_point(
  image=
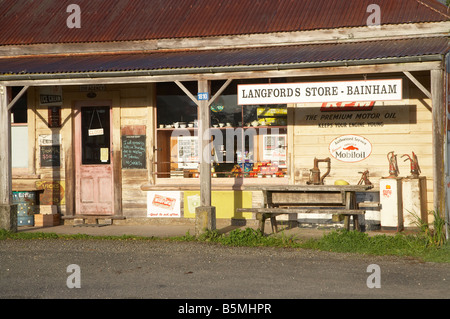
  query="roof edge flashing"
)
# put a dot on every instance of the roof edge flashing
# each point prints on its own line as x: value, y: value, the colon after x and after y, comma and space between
x: 216, y: 70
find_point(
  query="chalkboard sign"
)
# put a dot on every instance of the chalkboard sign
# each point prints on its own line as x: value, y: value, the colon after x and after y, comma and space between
x: 50, y: 156
x: 54, y: 116
x: 133, y: 151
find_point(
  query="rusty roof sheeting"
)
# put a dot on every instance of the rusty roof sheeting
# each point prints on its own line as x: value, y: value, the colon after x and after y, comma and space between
x: 210, y: 59
x: 44, y: 21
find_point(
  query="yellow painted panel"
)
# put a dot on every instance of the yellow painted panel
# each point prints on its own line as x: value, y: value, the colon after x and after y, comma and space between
x: 225, y: 202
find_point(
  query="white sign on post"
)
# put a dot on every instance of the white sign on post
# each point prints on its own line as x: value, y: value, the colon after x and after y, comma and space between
x: 344, y: 91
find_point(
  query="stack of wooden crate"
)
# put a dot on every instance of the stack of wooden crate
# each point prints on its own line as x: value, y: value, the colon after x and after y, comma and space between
x: 48, y: 216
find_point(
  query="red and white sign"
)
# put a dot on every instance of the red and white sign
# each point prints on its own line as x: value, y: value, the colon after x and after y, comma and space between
x: 347, y: 106
x: 350, y: 148
x: 163, y: 205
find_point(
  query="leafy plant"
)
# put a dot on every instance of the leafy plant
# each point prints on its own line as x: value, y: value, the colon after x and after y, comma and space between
x: 434, y: 233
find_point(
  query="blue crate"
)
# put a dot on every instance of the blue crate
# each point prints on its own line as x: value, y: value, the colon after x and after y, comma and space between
x: 25, y: 221
x: 26, y: 203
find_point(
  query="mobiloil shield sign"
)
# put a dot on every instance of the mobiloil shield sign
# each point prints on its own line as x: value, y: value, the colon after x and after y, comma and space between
x: 344, y: 91
x: 350, y: 148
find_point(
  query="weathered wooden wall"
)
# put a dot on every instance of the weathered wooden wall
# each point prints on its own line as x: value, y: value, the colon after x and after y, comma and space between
x: 137, y: 110
x: 410, y: 131
x: 132, y: 107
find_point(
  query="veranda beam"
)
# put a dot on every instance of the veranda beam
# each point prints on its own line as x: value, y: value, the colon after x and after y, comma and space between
x: 418, y: 84
x: 17, y: 98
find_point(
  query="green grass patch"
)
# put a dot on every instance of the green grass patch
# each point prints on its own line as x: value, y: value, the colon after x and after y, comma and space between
x: 41, y: 236
x: 401, y: 245
x: 340, y: 241
x: 352, y: 241
x: 247, y: 238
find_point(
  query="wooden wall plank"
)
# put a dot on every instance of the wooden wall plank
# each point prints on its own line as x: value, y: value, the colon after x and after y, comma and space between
x: 403, y: 137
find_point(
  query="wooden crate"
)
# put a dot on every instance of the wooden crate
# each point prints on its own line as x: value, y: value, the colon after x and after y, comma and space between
x: 41, y: 220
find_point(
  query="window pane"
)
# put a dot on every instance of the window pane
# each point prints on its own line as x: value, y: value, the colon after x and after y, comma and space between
x: 19, y: 110
x: 247, y: 141
x: 225, y: 112
x: 95, y: 125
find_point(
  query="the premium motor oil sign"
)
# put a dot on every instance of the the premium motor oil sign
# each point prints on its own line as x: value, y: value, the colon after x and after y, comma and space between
x: 350, y: 148
x: 343, y: 91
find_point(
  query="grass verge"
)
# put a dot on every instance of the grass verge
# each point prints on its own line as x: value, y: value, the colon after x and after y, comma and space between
x: 340, y: 241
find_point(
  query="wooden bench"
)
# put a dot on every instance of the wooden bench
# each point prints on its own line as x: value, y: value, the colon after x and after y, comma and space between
x: 317, y: 199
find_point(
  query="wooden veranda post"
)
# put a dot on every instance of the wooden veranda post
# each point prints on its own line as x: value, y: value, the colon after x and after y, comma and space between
x: 204, y: 143
x: 8, y: 212
x: 205, y: 214
x: 439, y: 116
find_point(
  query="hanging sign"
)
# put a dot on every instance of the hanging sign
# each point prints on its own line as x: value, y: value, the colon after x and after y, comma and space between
x: 350, y: 148
x: 321, y: 92
x: 96, y: 132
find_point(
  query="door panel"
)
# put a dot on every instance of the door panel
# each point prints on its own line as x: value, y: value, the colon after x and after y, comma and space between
x: 94, y: 171
x: 105, y: 185
x: 87, y: 190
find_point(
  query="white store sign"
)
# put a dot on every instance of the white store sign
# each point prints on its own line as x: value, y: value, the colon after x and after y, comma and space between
x: 344, y: 91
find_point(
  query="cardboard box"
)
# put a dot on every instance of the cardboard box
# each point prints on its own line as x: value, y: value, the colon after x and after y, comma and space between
x: 41, y: 220
x: 48, y: 209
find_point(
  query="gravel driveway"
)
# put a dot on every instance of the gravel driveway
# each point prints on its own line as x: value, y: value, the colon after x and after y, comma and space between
x: 160, y: 269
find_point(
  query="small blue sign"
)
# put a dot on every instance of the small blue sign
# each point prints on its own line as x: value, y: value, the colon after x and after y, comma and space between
x: 203, y: 96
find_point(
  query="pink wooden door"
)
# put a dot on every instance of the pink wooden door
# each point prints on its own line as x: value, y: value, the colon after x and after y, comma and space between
x: 94, y: 171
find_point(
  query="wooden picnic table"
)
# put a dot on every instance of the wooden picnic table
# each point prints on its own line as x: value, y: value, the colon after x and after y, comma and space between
x: 320, y: 199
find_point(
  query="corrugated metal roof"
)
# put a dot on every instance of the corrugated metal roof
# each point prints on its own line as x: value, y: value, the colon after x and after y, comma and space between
x: 210, y: 59
x: 44, y: 21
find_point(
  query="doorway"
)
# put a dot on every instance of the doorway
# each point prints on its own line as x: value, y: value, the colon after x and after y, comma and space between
x: 94, y: 193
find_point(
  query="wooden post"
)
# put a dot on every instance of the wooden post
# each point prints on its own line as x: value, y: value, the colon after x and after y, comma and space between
x: 204, y: 124
x: 205, y: 214
x: 439, y: 117
x: 8, y: 212
x: 5, y: 149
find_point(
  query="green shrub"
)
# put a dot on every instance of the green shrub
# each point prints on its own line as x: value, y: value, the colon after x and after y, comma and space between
x: 434, y: 234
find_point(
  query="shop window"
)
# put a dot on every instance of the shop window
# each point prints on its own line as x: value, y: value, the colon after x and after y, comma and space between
x: 247, y: 141
x: 95, y: 132
x: 176, y: 125
x: 19, y: 130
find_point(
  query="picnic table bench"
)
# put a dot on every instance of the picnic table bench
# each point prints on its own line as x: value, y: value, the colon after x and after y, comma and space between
x: 317, y: 199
